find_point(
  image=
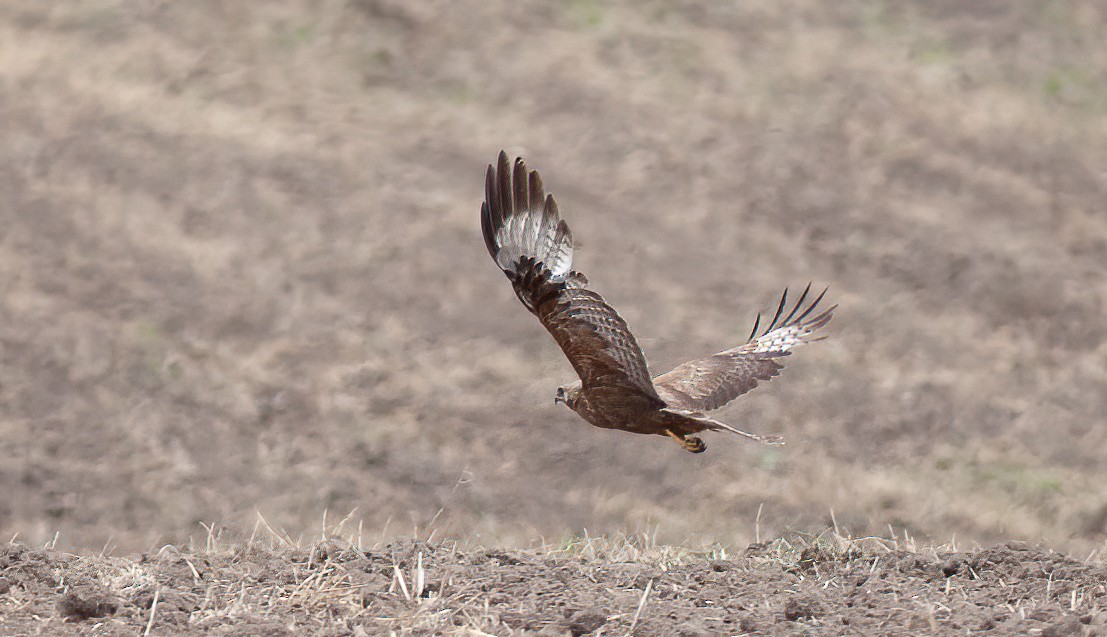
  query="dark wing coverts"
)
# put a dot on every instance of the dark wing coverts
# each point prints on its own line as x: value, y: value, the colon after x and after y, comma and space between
x: 533, y: 246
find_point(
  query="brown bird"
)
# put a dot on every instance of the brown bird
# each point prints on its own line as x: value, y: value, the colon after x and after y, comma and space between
x: 533, y: 246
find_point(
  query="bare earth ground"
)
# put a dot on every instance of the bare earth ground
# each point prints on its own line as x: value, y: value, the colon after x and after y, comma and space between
x: 826, y: 586
x: 241, y: 272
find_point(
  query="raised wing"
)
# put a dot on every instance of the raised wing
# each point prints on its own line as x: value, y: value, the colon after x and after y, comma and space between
x: 711, y: 382
x: 533, y: 246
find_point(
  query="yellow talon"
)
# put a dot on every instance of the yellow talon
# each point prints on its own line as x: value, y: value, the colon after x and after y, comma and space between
x: 689, y: 443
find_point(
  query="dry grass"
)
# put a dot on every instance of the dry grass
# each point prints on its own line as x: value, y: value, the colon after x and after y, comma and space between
x: 626, y: 584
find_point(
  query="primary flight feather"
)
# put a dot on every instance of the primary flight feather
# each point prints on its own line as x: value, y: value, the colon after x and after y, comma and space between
x: 532, y: 244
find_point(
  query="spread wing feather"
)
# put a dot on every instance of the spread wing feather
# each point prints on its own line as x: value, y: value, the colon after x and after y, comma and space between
x: 713, y: 381
x: 530, y: 242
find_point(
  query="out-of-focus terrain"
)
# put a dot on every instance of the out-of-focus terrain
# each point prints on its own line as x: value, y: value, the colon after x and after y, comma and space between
x: 241, y: 269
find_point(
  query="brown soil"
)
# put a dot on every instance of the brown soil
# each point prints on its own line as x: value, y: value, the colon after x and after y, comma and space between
x: 821, y: 587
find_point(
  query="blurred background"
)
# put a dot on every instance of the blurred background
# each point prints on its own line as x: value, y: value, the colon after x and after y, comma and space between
x: 241, y: 270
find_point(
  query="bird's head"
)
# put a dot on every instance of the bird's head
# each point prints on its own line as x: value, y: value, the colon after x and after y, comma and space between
x: 568, y: 394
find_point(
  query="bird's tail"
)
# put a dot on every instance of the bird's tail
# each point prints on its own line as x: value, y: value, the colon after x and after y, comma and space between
x: 707, y: 422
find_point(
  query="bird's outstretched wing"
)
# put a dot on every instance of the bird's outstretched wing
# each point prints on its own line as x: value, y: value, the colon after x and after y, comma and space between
x: 711, y: 382
x: 533, y: 246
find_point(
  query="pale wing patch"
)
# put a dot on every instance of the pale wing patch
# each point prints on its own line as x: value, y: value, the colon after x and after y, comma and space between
x: 538, y: 233
x: 779, y: 340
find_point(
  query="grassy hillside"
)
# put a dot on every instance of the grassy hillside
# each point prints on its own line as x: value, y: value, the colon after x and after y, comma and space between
x: 241, y: 270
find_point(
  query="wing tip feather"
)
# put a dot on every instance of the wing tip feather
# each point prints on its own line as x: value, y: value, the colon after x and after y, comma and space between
x: 792, y: 319
x: 522, y: 225
x: 487, y: 230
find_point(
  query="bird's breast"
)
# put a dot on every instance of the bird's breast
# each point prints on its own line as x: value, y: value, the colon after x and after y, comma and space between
x: 609, y: 411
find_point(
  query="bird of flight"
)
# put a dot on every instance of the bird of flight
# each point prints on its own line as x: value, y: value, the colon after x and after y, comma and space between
x: 531, y: 243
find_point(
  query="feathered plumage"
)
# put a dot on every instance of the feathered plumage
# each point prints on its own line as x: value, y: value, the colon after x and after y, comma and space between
x: 529, y: 241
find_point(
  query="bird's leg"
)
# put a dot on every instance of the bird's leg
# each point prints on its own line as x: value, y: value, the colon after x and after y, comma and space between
x: 689, y: 443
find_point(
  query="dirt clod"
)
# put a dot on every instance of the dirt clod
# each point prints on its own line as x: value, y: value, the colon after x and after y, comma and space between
x: 77, y: 606
x: 1063, y: 627
x: 586, y: 621
x: 952, y: 566
x: 796, y: 609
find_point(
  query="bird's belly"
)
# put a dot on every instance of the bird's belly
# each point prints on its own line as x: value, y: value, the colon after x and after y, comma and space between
x: 639, y: 424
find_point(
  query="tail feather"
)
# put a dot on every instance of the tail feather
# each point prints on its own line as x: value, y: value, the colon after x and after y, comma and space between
x: 716, y: 425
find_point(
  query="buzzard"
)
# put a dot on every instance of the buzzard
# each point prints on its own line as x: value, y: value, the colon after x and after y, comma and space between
x: 531, y: 243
